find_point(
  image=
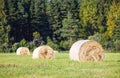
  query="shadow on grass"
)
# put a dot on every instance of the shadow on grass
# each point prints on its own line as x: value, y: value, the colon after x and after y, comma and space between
x: 118, y: 60
x: 9, y: 65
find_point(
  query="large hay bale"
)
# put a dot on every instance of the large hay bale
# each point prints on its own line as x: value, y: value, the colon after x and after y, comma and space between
x: 23, y: 51
x: 43, y: 52
x: 86, y: 50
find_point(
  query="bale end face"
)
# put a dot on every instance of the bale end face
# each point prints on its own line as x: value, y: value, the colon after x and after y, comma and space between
x: 43, y: 52
x: 23, y: 51
x: 86, y: 50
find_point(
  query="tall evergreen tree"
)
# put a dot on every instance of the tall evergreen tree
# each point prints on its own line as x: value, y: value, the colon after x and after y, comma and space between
x: 103, y: 8
x: 23, y: 19
x: 113, y: 15
x: 56, y: 19
x: 88, y: 16
x: 4, y: 29
x: 116, y: 33
x: 39, y: 18
x: 11, y: 8
x: 59, y: 12
x: 70, y: 30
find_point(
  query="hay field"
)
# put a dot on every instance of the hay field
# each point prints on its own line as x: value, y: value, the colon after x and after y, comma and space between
x: 13, y: 66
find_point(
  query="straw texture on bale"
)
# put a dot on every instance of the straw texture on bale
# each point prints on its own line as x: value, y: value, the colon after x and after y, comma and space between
x: 43, y: 52
x: 86, y: 50
x: 23, y: 51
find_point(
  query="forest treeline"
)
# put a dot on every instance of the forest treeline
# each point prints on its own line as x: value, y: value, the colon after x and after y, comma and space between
x: 58, y: 23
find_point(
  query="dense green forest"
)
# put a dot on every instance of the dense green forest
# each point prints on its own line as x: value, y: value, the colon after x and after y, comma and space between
x: 58, y: 23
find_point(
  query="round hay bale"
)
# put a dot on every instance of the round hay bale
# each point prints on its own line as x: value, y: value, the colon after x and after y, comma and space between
x: 23, y: 51
x: 86, y: 50
x: 43, y: 52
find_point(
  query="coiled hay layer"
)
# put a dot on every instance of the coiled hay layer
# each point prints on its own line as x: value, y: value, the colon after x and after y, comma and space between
x: 43, y: 52
x: 86, y: 50
x: 23, y: 51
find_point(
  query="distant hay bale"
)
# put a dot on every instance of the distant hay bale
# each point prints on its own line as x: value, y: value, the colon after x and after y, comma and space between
x: 86, y: 50
x: 23, y: 51
x: 43, y: 52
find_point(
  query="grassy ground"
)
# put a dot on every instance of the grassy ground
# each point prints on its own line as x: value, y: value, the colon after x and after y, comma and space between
x: 13, y: 66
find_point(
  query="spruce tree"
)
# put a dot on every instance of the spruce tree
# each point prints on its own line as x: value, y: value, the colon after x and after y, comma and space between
x: 116, y: 32
x: 116, y: 35
x: 11, y: 8
x: 70, y: 30
x: 39, y: 18
x: 4, y: 29
x: 56, y: 19
x: 112, y: 16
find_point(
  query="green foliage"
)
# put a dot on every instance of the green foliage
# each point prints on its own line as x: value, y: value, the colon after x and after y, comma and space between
x: 116, y: 35
x: 112, y: 16
x: 15, y: 46
x: 61, y: 20
x: 117, y: 45
x: 52, y: 44
x: 4, y: 48
x: 108, y: 45
x: 92, y: 15
x: 39, y: 18
x: 37, y: 35
x: 64, y: 45
x: 70, y: 28
x: 23, y: 43
x: 97, y: 37
x: 4, y: 30
x: 1, y: 8
x: 31, y: 46
x: 70, y: 31
x: 55, y: 19
x: 116, y: 31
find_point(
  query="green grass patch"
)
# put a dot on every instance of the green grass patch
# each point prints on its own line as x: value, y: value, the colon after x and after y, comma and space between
x: 13, y: 66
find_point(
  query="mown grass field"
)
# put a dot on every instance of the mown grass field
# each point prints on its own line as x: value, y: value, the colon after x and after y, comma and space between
x: 13, y: 66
